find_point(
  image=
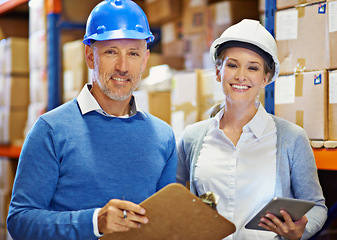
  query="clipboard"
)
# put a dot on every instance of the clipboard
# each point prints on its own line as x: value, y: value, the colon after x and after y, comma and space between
x: 175, y: 213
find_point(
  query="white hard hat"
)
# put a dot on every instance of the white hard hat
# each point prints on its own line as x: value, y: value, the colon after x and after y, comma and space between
x: 249, y: 32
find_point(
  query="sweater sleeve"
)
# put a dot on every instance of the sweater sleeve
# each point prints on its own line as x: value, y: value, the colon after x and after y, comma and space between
x: 305, y: 183
x: 183, y: 169
x: 168, y: 174
x: 30, y: 216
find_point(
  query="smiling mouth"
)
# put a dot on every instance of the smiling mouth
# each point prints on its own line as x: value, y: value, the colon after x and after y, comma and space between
x: 239, y: 87
x: 120, y: 79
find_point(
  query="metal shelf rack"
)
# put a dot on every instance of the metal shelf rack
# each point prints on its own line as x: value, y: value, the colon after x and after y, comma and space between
x: 326, y: 159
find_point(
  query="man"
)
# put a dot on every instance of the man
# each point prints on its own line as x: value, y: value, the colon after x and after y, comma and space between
x: 86, y: 165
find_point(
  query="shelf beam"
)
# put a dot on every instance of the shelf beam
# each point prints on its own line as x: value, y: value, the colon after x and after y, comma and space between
x: 10, y: 151
x: 326, y: 159
x: 9, y: 5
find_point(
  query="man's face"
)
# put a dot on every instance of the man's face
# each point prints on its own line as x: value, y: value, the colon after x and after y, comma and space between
x: 117, y: 66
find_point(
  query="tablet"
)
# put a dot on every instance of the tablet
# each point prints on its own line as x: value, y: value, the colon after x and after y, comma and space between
x: 296, y: 208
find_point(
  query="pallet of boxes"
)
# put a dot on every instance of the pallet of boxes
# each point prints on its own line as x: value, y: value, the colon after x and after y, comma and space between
x: 14, y: 100
x: 306, y: 91
x: 187, y: 29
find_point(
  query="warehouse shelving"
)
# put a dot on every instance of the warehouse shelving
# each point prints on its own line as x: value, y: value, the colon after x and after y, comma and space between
x: 326, y: 159
x: 8, y: 5
x: 11, y: 151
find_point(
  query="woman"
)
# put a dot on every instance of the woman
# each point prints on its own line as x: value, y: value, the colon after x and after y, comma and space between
x: 245, y: 155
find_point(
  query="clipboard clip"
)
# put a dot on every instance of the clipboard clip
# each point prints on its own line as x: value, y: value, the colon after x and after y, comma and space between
x: 210, y: 199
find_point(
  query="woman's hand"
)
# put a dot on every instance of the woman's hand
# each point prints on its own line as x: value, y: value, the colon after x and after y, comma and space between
x: 287, y: 229
x: 120, y: 216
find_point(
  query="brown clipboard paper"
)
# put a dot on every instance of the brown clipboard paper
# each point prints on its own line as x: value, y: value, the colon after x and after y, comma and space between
x: 175, y: 213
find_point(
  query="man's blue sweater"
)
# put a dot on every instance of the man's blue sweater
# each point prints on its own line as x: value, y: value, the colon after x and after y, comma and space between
x: 71, y: 164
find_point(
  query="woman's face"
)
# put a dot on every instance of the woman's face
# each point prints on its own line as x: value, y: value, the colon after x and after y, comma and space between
x: 242, y: 74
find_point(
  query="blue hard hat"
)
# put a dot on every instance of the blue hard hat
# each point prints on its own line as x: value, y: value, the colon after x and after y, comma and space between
x: 117, y: 19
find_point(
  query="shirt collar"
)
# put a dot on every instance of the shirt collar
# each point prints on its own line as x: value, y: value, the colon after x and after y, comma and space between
x: 259, y: 122
x: 88, y: 103
x: 256, y: 125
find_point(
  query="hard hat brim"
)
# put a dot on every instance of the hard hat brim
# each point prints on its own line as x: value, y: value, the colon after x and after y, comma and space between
x: 222, y: 40
x: 118, y: 34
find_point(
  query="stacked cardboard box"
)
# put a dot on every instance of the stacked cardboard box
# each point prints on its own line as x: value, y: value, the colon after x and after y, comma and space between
x: 162, y: 11
x: 166, y: 16
x: 332, y: 105
x: 7, y: 175
x: 302, y: 98
x: 14, y: 82
x: 75, y: 70
x: 306, y: 37
x: 188, y: 99
x: 37, y: 61
x: 204, y: 22
x: 188, y: 27
x: 13, y: 27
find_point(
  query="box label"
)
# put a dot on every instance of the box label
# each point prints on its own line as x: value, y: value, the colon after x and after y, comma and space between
x: 287, y: 25
x: 168, y: 31
x: 322, y: 8
x: 333, y: 88
x: 196, y: 3
x: 285, y: 90
x: 223, y: 14
x: 317, y: 79
x: 333, y: 16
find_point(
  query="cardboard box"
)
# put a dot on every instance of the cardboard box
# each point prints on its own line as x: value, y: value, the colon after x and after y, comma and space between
x: 223, y: 14
x: 7, y: 174
x: 206, y: 83
x: 172, y: 42
x: 2, y: 90
x: 12, y: 124
x: 302, y: 99
x: 75, y: 70
x: 262, y: 6
x: 332, y: 16
x: 38, y: 91
x: 35, y: 110
x: 38, y: 50
x: 333, y: 105
x: 195, y: 46
x: 13, y: 27
x: 16, y: 94
x: 77, y: 11
x: 303, y: 39
x: 37, y: 16
x: 156, y: 59
x: 184, y: 100
x: 162, y: 11
x: 282, y: 4
x: 15, y: 56
x: 160, y: 105
x: 2, y: 57
x: 194, y: 17
x: 5, y: 199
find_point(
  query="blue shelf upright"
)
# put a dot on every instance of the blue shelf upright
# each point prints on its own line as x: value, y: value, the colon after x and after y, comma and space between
x: 270, y: 26
x: 54, y: 9
x: 54, y: 31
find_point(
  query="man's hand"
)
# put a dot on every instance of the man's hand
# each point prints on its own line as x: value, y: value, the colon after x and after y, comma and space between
x: 288, y: 229
x: 111, y: 217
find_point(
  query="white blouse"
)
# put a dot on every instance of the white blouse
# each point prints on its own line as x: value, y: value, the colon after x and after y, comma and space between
x: 243, y: 176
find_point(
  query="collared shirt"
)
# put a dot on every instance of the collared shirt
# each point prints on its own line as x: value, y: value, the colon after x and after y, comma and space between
x: 243, y: 176
x: 88, y: 103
